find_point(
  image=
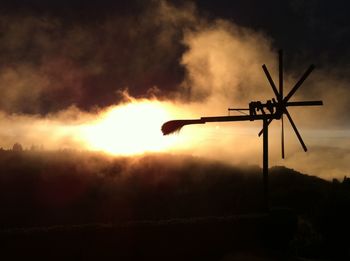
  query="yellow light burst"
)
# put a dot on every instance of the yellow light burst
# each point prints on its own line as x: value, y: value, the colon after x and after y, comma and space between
x: 132, y: 128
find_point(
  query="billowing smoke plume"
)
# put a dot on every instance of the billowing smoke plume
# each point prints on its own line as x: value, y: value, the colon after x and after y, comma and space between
x: 60, y: 77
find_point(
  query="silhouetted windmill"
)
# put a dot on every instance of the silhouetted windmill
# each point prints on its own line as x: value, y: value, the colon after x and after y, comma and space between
x: 267, y: 112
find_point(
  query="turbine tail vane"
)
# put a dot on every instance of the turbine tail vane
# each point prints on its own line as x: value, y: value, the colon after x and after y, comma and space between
x: 176, y: 125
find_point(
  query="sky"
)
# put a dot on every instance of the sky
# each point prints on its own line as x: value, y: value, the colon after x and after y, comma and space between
x: 65, y: 64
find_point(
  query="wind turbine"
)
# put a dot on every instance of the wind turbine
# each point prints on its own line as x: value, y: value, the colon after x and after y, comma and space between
x: 273, y: 109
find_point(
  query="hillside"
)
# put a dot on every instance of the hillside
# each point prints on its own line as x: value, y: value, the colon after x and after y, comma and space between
x: 59, y: 196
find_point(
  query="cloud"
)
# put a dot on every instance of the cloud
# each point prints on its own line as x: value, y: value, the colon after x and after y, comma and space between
x: 56, y: 75
x: 223, y: 63
x: 83, y: 63
x: 325, y: 162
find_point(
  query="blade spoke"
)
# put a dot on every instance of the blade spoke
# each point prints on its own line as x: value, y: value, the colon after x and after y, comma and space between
x: 268, y: 123
x: 280, y: 61
x: 271, y: 82
x: 305, y: 103
x: 295, y: 130
x: 282, y: 137
x: 280, y: 56
x: 299, y: 83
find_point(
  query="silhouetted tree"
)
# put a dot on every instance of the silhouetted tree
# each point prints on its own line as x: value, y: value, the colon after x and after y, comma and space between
x: 346, y: 181
x: 17, y: 147
x: 335, y: 181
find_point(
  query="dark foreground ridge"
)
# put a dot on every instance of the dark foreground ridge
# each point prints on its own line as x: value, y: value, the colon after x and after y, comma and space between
x: 208, y: 238
x: 59, y: 205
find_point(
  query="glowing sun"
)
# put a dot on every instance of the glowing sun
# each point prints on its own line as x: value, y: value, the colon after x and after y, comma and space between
x: 132, y: 128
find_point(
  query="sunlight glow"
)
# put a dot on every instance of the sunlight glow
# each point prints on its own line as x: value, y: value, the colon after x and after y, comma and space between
x: 132, y: 128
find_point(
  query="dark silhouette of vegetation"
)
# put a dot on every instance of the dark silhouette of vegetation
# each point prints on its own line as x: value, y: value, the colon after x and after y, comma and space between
x: 88, y: 205
x: 17, y: 147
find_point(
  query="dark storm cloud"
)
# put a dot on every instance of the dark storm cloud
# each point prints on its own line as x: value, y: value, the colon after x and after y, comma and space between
x: 79, y: 56
x: 315, y: 30
x: 54, y: 54
x: 50, y: 61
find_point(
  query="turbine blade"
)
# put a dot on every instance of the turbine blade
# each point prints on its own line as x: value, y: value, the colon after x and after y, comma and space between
x: 280, y: 56
x: 271, y: 82
x: 262, y: 130
x: 305, y: 103
x: 282, y: 137
x: 299, y: 83
x: 295, y: 130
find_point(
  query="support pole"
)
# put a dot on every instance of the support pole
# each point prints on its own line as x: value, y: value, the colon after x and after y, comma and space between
x: 266, y: 165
